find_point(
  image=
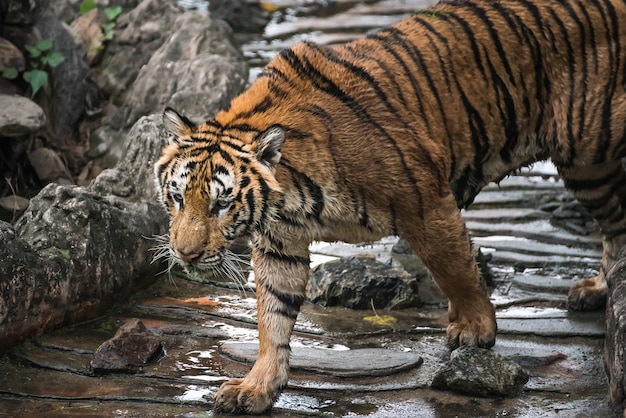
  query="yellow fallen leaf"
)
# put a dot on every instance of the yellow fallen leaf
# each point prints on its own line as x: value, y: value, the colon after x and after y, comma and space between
x: 386, y: 320
x: 268, y: 6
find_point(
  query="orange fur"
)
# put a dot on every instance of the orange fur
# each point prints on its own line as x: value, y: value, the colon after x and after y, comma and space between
x: 390, y: 135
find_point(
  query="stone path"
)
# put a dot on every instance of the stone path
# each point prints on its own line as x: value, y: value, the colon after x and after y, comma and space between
x: 207, y: 329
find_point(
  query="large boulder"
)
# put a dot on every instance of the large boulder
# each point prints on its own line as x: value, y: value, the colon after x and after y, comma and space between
x: 197, y: 70
x: 138, y: 34
x: 77, y: 250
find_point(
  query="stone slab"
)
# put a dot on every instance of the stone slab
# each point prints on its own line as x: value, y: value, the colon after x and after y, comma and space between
x: 341, y: 363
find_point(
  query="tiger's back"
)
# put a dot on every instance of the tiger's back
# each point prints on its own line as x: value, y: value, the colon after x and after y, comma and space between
x: 393, y: 133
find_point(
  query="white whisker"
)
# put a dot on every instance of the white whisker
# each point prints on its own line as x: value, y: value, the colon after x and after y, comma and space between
x: 163, y: 253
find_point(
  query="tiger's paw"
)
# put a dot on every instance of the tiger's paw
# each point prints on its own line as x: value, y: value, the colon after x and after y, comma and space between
x: 587, y: 294
x: 236, y: 396
x: 476, y: 328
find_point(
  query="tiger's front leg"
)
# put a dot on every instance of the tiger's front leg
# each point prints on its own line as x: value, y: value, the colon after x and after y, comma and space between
x: 281, y: 279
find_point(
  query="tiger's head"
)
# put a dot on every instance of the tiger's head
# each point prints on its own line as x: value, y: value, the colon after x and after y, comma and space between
x: 217, y: 184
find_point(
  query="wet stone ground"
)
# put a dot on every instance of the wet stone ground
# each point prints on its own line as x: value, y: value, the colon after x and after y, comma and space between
x: 343, y: 365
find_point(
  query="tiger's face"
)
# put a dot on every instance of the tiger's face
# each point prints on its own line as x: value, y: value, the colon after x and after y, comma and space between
x: 218, y: 185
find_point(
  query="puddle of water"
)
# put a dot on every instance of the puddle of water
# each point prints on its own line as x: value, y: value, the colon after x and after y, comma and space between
x: 527, y: 312
x: 236, y: 332
x: 195, y: 393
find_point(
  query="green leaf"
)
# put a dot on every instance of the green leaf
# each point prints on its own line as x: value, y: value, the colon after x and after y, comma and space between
x: 108, y: 36
x: 87, y: 5
x: 10, y: 73
x: 44, y: 45
x: 33, y: 51
x: 113, y: 12
x: 108, y: 27
x: 37, y: 79
x: 54, y: 58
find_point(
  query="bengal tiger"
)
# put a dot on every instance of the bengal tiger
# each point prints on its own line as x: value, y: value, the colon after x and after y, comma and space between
x: 392, y: 134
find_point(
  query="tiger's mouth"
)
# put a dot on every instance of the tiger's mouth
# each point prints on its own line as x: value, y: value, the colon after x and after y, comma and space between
x: 203, y: 262
x: 226, y: 266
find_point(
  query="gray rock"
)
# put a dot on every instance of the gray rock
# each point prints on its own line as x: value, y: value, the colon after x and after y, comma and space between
x: 48, y: 165
x: 65, y: 103
x: 365, y: 362
x: 139, y: 33
x: 197, y: 71
x: 19, y: 116
x: 131, y: 347
x: 14, y: 203
x: 77, y: 250
x: 358, y: 282
x: 241, y: 15
x: 480, y: 372
x: 32, y: 295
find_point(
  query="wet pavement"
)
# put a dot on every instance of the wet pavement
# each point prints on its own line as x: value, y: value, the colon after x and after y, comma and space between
x: 343, y: 364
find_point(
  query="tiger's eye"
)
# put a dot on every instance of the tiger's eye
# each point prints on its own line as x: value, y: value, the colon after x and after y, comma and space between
x: 177, y: 197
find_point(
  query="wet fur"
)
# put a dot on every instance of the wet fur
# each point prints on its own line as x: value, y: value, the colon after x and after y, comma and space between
x: 391, y: 135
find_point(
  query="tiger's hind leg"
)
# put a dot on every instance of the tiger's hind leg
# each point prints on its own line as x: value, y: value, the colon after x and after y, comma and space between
x: 601, y: 189
x: 442, y: 242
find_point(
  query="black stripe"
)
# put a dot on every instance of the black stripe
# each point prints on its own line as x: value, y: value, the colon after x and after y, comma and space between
x: 265, y: 193
x: 315, y: 191
x: 608, y: 215
x: 367, y: 77
x: 482, y: 14
x: 363, y: 216
x: 398, y: 39
x: 585, y: 73
x: 609, y: 235
x: 542, y: 83
x: 273, y: 73
x: 244, y: 127
x: 606, y: 137
x: 571, y: 140
x: 290, y: 221
x: 290, y: 314
x: 586, y: 184
x: 250, y: 201
x: 508, y: 116
x: 290, y: 300
x: 382, y: 63
x: 305, y: 68
x: 287, y: 258
x: 394, y: 220
x: 232, y: 145
x: 599, y: 202
x: 470, y: 37
x: 448, y: 83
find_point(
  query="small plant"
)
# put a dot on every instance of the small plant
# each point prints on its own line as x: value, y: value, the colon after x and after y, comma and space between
x: 111, y: 13
x: 41, y: 57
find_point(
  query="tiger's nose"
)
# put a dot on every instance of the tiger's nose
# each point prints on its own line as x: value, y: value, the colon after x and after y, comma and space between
x: 190, y: 256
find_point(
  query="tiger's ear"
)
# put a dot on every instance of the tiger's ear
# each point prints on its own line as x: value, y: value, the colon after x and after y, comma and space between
x: 176, y: 124
x: 269, y: 144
